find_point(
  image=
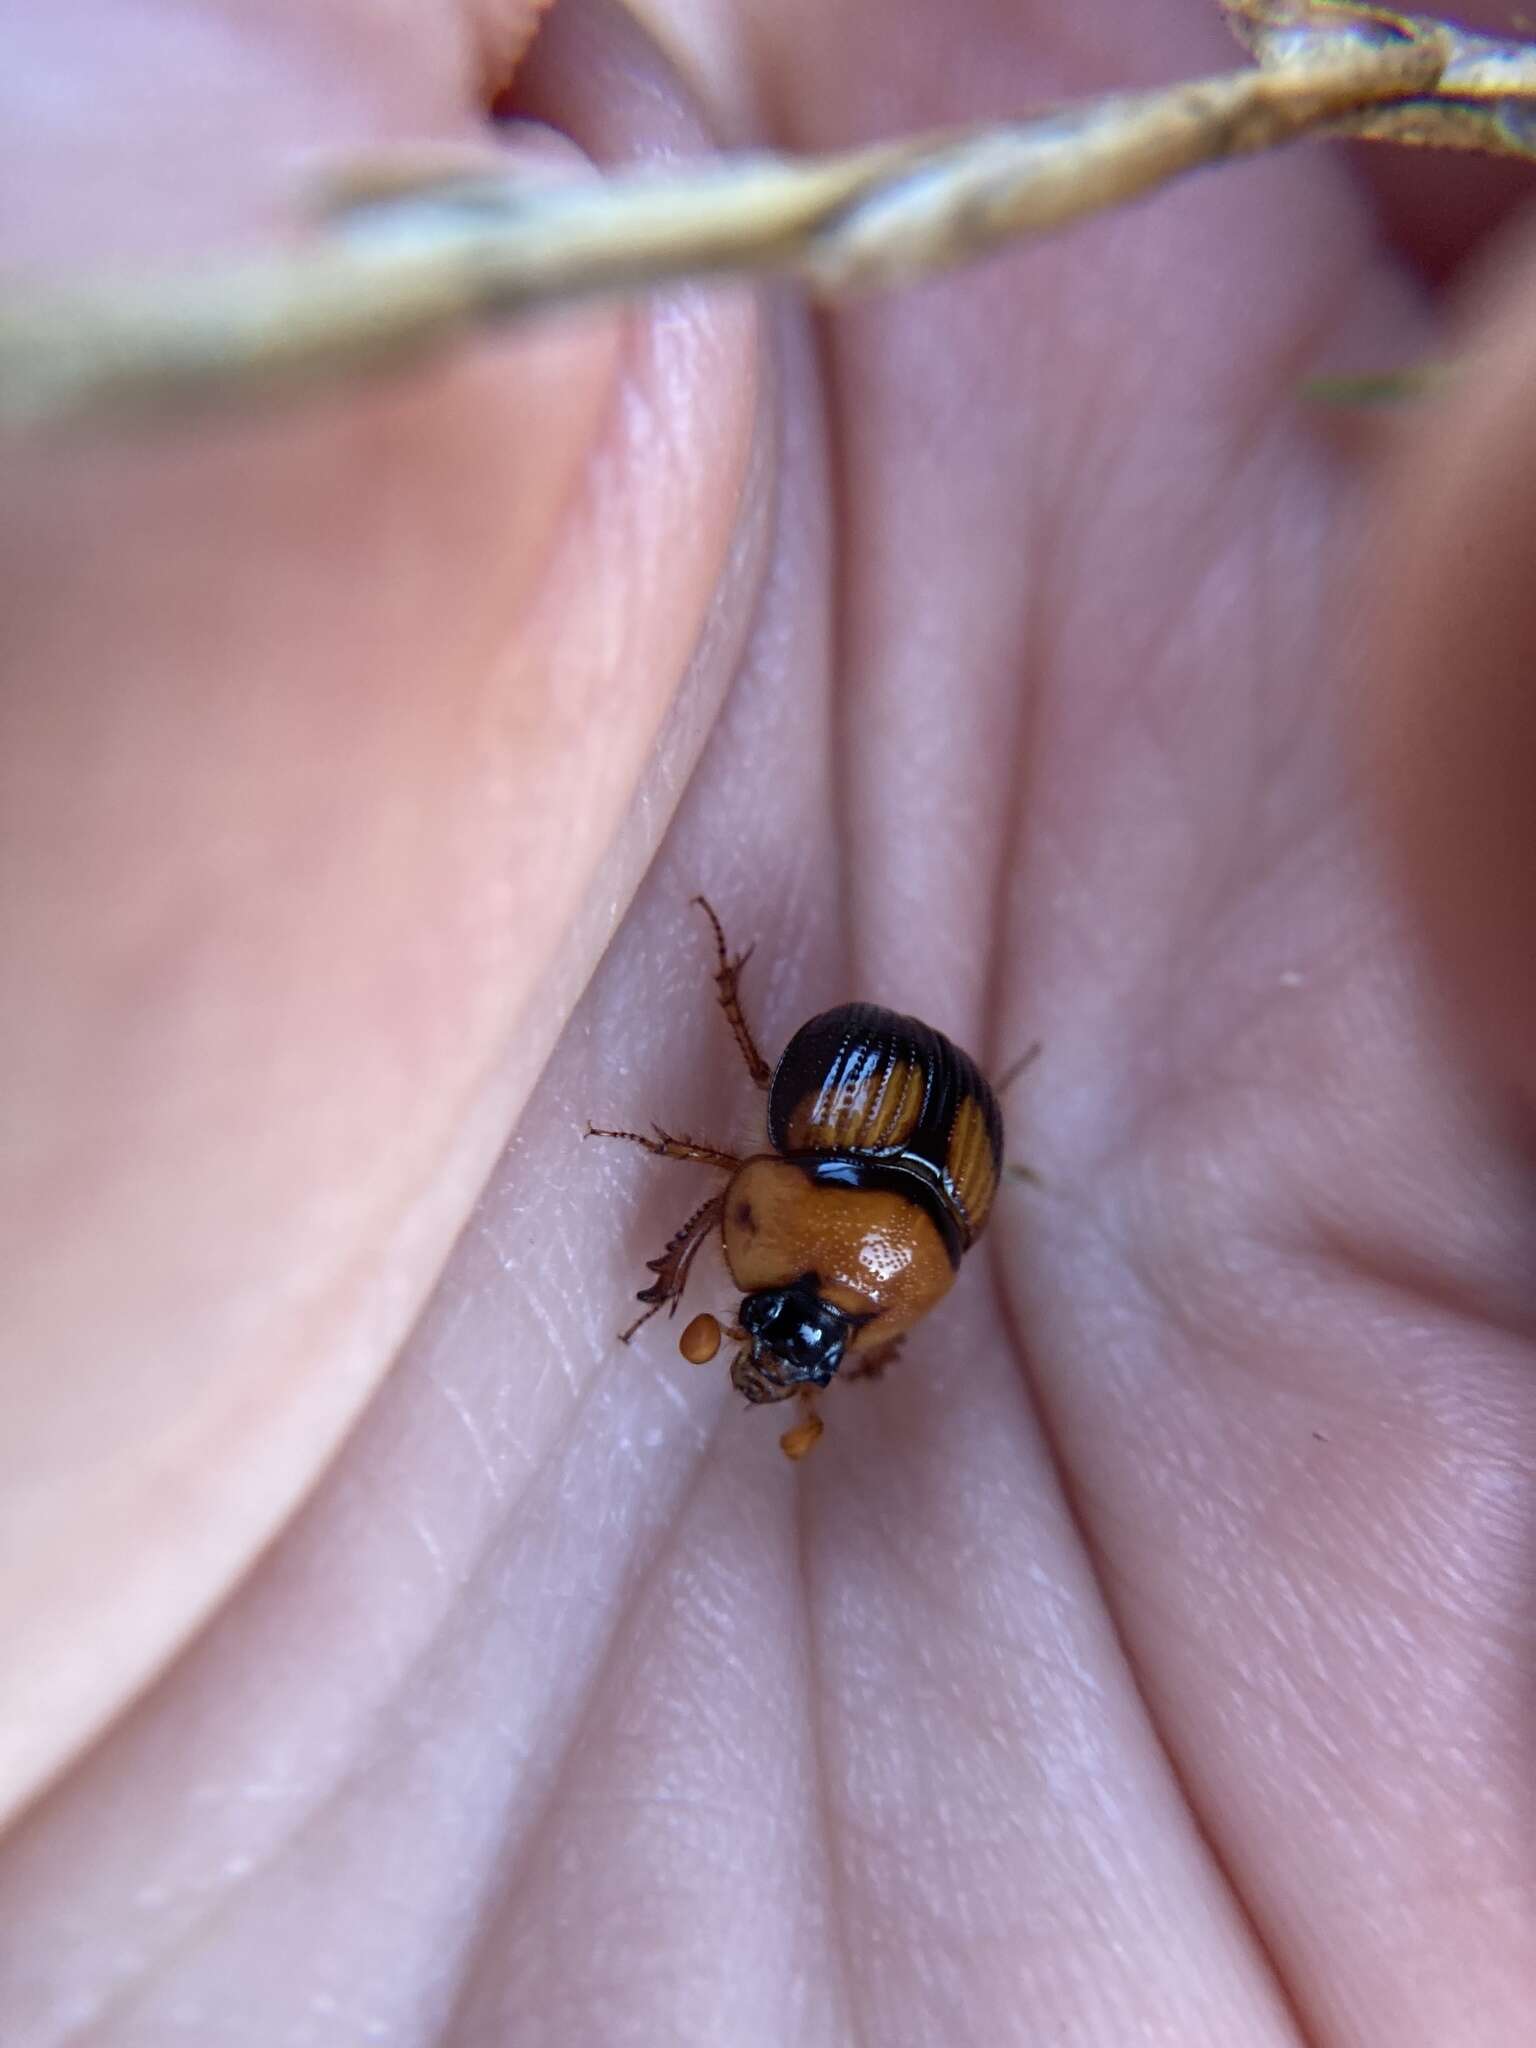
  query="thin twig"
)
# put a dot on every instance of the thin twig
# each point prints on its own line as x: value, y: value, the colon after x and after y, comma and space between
x: 418, y: 257
x: 1484, y: 99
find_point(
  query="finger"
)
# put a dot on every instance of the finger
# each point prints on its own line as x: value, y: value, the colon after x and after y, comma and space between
x: 318, y: 729
x: 1451, y: 704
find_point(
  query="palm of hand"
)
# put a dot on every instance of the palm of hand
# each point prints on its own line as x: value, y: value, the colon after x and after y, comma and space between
x: 1148, y: 1655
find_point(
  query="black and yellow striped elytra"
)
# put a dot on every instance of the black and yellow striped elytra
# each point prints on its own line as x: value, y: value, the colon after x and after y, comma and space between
x: 866, y: 1097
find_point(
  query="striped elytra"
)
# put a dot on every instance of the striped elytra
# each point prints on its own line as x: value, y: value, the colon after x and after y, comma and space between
x: 865, y: 1083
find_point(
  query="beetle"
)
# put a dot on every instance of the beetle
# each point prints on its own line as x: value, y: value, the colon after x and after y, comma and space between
x: 885, y: 1153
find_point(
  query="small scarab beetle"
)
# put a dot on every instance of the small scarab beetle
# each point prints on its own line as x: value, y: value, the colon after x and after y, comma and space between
x: 886, y: 1149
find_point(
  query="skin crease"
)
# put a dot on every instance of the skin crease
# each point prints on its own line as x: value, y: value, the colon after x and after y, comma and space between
x: 1149, y: 1656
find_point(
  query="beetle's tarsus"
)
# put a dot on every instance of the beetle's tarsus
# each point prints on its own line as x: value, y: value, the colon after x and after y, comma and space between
x: 728, y: 995
x: 665, y: 1146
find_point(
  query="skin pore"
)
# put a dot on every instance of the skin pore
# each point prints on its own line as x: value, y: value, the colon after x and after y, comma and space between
x: 390, y: 1655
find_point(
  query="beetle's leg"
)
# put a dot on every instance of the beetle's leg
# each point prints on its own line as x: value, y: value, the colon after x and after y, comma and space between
x: 1015, y: 1169
x: 1021, y: 1065
x: 802, y: 1439
x: 671, y: 1269
x: 665, y: 1146
x: 873, y: 1363
x: 727, y: 990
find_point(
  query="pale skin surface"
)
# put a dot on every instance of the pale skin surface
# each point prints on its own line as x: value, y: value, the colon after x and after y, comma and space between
x: 1149, y: 1657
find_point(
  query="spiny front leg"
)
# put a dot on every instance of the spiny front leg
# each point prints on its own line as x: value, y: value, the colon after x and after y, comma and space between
x: 664, y: 1146
x: 671, y: 1269
x: 727, y: 992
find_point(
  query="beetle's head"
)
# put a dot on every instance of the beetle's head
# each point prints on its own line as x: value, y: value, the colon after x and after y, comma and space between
x: 804, y: 1335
